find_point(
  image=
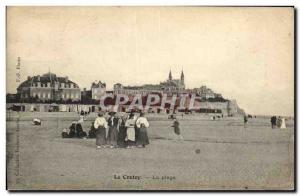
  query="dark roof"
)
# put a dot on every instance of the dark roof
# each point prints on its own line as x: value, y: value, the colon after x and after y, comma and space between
x: 48, y: 77
x: 99, y: 84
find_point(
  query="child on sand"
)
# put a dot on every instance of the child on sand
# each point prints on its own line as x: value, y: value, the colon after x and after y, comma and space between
x: 177, y: 128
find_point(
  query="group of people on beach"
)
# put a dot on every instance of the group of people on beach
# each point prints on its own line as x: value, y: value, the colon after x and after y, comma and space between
x: 278, y: 122
x: 124, y: 132
x: 118, y: 131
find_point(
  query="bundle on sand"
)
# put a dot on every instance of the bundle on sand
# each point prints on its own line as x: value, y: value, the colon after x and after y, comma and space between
x: 36, y: 121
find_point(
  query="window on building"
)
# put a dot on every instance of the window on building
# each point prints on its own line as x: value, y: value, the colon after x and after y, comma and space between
x: 49, y: 96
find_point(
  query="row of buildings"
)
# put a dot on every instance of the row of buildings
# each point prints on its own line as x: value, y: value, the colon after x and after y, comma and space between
x: 49, y: 92
x: 52, y: 88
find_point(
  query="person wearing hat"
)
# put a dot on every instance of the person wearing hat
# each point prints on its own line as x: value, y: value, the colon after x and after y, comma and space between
x: 100, y: 125
x: 122, y: 132
x: 113, y: 124
x: 142, y: 124
x: 129, y: 124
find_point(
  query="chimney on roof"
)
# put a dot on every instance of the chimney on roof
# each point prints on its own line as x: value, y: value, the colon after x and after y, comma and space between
x: 67, y: 79
x: 39, y: 77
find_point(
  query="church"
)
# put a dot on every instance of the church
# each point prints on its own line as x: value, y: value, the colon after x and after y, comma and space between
x: 171, y: 84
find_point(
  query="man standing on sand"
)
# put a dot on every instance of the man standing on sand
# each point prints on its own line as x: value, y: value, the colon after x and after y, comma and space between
x: 273, y: 122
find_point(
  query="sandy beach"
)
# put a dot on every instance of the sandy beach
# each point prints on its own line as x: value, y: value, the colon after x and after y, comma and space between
x: 219, y: 154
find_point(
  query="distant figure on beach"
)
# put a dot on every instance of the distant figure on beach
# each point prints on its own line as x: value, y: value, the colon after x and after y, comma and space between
x: 81, y: 117
x: 113, y: 124
x: 177, y: 128
x: 100, y: 125
x: 278, y: 122
x: 122, y: 132
x: 273, y: 121
x: 142, y: 124
x: 245, y: 121
x: 283, y: 125
x: 129, y: 124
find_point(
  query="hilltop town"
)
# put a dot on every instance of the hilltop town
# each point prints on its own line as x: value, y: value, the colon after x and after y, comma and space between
x: 49, y: 92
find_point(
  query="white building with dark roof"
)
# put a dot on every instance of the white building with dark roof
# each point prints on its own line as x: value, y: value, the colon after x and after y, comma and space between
x: 49, y: 87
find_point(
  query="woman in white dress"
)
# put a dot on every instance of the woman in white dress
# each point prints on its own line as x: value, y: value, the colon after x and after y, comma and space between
x: 130, y: 138
x: 283, y: 125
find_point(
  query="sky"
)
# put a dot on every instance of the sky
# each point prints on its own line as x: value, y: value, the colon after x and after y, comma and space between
x: 246, y: 54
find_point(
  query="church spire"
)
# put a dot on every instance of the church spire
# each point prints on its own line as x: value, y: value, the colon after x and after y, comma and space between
x: 170, y: 75
x: 182, y: 76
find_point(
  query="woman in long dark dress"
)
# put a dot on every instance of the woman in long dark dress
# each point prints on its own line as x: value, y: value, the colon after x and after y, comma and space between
x: 72, y: 128
x: 79, y: 131
x: 142, y: 124
x: 113, y: 124
x: 100, y: 125
x: 122, y: 133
